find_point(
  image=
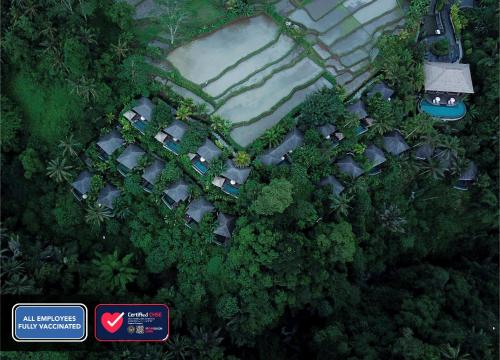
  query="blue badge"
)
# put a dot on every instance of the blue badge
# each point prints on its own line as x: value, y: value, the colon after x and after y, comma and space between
x: 131, y: 322
x: 33, y: 322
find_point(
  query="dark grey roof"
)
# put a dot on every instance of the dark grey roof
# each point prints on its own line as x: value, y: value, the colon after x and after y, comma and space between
x: 176, y: 129
x: 82, y: 182
x: 131, y: 156
x: 108, y: 195
x: 382, y: 89
x: 198, y: 208
x: 332, y: 181
x: 358, y: 108
x: 209, y: 150
x: 466, y: 4
x: 240, y: 175
x: 394, y: 143
x: 152, y: 172
x: 293, y: 140
x: 178, y: 191
x: 110, y: 142
x: 470, y: 173
x: 348, y: 166
x: 144, y: 108
x: 225, y: 225
x: 424, y: 152
x: 374, y: 155
x: 327, y: 129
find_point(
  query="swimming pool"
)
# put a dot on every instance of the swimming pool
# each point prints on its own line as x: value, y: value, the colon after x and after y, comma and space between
x: 172, y: 146
x: 140, y: 125
x: 231, y: 190
x: 198, y: 165
x: 443, y: 112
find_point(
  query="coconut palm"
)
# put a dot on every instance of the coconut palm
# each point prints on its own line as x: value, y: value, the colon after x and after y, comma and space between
x: 85, y: 88
x: 59, y: 170
x: 391, y: 218
x: 18, y: 285
x: 340, y: 204
x: 273, y: 136
x: 69, y: 146
x: 220, y: 124
x: 121, y: 48
x: 116, y: 273
x: 242, y: 159
x: 184, y: 112
x: 453, y: 353
x: 97, y: 214
x: 178, y: 348
x: 433, y: 167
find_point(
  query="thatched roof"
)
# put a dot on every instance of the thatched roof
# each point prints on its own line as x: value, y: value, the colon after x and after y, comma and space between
x: 110, y: 142
x: 348, y: 166
x: 225, y: 225
x: 374, y: 155
x: 107, y: 196
x: 209, y: 150
x: 239, y: 175
x: 176, y: 129
x: 144, y: 108
x: 198, y: 208
x: 131, y: 156
x: 448, y: 77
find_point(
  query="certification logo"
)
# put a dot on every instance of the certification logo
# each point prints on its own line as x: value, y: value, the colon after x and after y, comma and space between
x: 51, y: 322
x: 131, y: 322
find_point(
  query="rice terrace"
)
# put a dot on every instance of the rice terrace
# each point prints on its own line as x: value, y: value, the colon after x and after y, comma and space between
x: 253, y: 71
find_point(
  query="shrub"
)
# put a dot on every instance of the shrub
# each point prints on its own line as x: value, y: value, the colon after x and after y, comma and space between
x: 242, y: 159
x: 440, y: 47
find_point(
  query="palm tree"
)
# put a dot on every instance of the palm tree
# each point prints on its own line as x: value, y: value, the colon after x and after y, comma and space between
x: 116, y: 273
x: 84, y: 87
x: 69, y: 146
x: 220, y: 124
x: 242, y: 159
x: 58, y: 170
x: 96, y: 215
x: 272, y: 136
x: 178, y: 348
x: 183, y: 112
x: 18, y: 285
x: 433, y: 167
x: 419, y: 125
x: 87, y: 35
x: 121, y: 48
x: 390, y: 218
x: 453, y: 353
x: 204, y: 340
x: 340, y: 203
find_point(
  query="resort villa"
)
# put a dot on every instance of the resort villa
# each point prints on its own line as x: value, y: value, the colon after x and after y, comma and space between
x: 107, y: 196
x: 394, y: 143
x: 151, y: 174
x: 231, y: 178
x: 445, y: 86
x: 348, y: 166
x: 109, y: 143
x: 381, y: 88
x: 335, y: 185
x: 205, y: 154
x: 175, y: 194
x: 129, y: 159
x: 424, y: 152
x: 281, y: 154
x: 376, y: 158
x: 359, y: 111
x: 224, y: 229
x: 140, y: 114
x: 172, y: 135
x: 196, y: 210
x: 81, y: 186
x: 329, y: 132
x: 467, y: 177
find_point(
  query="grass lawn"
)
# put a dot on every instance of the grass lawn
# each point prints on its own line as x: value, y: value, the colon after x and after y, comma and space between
x: 49, y: 112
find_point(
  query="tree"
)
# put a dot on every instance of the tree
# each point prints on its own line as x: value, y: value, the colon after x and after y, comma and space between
x: 322, y: 107
x: 58, y: 170
x: 173, y: 16
x: 242, y: 159
x: 96, y: 215
x: 273, y: 136
x: 340, y: 204
x: 220, y: 124
x: 69, y: 146
x: 116, y: 273
x: 10, y: 124
x: 274, y: 198
x: 31, y: 162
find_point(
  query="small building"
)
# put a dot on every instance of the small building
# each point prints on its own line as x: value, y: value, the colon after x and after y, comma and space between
x: 424, y: 152
x: 467, y: 177
x: 175, y: 194
x: 281, y: 154
x: 445, y: 85
x: 81, y: 186
x: 232, y: 178
x: 196, y: 210
x: 330, y: 133
x: 348, y: 166
x: 205, y: 154
x: 172, y: 135
x: 394, y: 143
x: 141, y: 114
x: 381, y: 88
x: 332, y: 182
x: 224, y: 229
x: 107, y: 196
x: 358, y: 109
x: 109, y: 143
x: 129, y: 159
x: 376, y: 158
x: 151, y: 174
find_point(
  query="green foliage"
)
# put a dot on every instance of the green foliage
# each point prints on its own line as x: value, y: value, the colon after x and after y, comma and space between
x: 242, y: 159
x: 322, y: 107
x: 10, y: 124
x: 116, y: 273
x: 441, y: 47
x: 458, y: 19
x: 220, y: 125
x: 274, y: 198
x: 31, y: 162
